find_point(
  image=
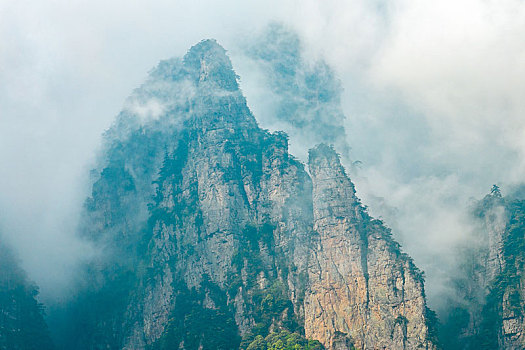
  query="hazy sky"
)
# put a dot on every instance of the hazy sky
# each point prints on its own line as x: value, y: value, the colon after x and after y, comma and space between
x: 434, y: 96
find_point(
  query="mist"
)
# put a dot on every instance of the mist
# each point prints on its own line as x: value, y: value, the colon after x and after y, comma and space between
x: 433, y: 98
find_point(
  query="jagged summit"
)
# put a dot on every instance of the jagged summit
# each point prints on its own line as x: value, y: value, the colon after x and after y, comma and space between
x: 199, y: 90
x: 215, y: 237
x: 325, y: 156
x: 205, y: 62
x: 208, y: 61
x: 324, y: 150
x: 325, y: 166
x: 206, y: 47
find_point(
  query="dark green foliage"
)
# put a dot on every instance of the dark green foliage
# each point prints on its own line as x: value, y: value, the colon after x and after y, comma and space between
x: 173, y: 165
x: 514, y: 246
x: 170, y: 175
x: 495, y: 191
x: 284, y: 340
x: 248, y: 255
x: 343, y: 341
x: 98, y: 313
x: 453, y: 328
x: 199, y: 327
x: 111, y: 198
x: 22, y: 325
x: 272, y: 304
x: 113, y: 218
x: 432, y: 323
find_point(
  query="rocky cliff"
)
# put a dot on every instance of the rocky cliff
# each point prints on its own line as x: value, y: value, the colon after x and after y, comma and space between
x: 490, y: 308
x: 212, y: 236
x: 361, y: 287
x: 22, y: 325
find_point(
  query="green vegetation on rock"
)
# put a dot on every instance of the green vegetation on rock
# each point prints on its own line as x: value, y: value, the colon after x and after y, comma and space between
x: 284, y: 340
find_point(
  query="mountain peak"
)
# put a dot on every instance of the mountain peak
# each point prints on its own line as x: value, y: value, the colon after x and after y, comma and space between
x: 208, y: 62
x: 323, y: 150
x: 328, y: 173
x: 324, y: 156
x: 206, y: 46
x: 205, y: 63
x: 232, y: 232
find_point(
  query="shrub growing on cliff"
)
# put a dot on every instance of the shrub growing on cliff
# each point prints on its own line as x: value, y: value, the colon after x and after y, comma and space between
x: 284, y: 340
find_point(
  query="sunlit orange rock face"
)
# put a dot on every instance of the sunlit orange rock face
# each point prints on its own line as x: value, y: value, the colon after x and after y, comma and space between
x: 363, y: 290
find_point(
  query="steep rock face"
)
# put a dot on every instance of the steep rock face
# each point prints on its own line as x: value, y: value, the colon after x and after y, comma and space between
x: 230, y: 204
x: 22, y: 325
x: 361, y: 286
x: 205, y: 224
x: 212, y: 215
x: 490, y: 309
x: 503, y: 322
